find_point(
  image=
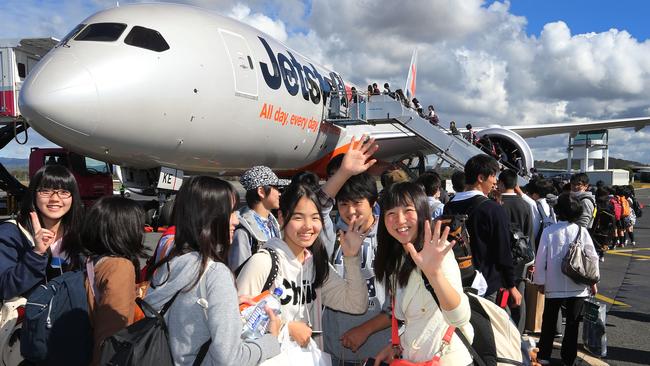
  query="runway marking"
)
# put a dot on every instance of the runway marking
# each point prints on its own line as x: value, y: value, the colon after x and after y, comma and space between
x: 609, y: 300
x: 635, y: 256
x: 627, y: 250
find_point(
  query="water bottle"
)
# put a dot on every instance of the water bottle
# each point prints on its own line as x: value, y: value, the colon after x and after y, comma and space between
x: 258, y: 320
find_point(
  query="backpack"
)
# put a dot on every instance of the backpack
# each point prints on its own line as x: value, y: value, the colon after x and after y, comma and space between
x: 496, y: 338
x: 616, y: 207
x: 11, y: 319
x: 275, y: 263
x: 602, y: 231
x: 146, y: 342
x: 12, y: 314
x: 55, y: 314
x: 547, y: 220
x: 456, y: 219
x: 520, y: 248
x: 625, y: 206
x: 637, y: 207
x: 255, y: 244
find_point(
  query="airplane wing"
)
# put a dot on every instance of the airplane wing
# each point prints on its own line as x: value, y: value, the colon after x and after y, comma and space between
x: 526, y: 131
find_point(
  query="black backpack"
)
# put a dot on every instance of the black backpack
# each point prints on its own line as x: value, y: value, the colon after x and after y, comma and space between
x: 636, y: 206
x: 520, y: 248
x: 255, y: 244
x: 272, y: 274
x: 146, y: 342
x: 602, y: 230
x: 456, y: 219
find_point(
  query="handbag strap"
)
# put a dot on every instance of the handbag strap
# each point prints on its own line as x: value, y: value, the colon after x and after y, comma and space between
x: 395, y: 342
x: 577, y: 239
x: 394, y: 337
x: 203, y: 303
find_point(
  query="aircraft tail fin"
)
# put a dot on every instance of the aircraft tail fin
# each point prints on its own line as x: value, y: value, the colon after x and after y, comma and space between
x: 409, y: 89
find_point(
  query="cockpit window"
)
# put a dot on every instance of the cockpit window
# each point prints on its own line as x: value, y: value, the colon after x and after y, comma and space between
x: 101, y: 32
x: 72, y: 33
x: 146, y: 38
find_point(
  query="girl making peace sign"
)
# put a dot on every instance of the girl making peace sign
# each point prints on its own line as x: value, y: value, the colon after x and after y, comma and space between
x: 37, y: 247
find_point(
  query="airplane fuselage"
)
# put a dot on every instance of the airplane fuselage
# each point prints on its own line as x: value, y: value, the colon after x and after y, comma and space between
x: 223, y: 96
x: 165, y: 85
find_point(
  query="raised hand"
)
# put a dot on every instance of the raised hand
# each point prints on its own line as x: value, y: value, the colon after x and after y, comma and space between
x: 43, y: 238
x: 356, y: 158
x: 434, y: 248
x: 352, y: 239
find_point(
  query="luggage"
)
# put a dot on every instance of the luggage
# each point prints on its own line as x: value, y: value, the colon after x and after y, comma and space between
x: 456, y: 218
x: 11, y: 318
x: 594, y: 336
x: 146, y: 342
x: 625, y: 206
x: 578, y: 266
x: 496, y: 338
x: 534, y: 308
x: 55, y: 313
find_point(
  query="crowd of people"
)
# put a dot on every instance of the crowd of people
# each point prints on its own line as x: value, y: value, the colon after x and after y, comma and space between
x: 345, y: 277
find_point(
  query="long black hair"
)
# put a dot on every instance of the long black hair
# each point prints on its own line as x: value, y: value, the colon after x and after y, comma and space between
x: 202, y: 210
x: 53, y: 177
x: 114, y: 226
x: 288, y: 201
x: 391, y: 258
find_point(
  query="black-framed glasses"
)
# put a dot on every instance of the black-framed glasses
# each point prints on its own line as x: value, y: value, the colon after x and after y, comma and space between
x: 47, y: 193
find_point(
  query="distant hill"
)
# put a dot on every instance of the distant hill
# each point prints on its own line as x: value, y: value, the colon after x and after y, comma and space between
x: 614, y: 163
x: 14, y: 164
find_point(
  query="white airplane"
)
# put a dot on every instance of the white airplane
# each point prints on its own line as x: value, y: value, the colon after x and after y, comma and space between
x: 147, y: 86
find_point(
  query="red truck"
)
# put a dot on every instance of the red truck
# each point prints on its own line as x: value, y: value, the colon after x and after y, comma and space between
x: 94, y: 177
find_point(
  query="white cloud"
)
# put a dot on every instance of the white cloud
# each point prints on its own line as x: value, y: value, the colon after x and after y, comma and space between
x: 275, y: 28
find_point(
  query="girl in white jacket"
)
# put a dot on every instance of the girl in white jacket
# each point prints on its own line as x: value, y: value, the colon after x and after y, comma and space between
x: 305, y: 276
x: 307, y: 279
x: 559, y: 289
x: 407, y: 248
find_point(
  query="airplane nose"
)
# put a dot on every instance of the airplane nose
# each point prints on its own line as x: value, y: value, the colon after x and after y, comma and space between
x: 63, y: 92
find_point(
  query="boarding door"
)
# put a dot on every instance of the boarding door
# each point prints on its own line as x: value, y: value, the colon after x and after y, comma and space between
x: 241, y: 61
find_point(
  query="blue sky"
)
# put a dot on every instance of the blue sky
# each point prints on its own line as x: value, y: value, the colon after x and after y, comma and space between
x: 584, y: 16
x: 483, y: 62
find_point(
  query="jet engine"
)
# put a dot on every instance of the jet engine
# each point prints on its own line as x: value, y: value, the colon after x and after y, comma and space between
x: 509, y: 146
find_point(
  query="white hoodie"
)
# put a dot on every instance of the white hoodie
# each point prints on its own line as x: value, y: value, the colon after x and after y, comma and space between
x: 295, y: 279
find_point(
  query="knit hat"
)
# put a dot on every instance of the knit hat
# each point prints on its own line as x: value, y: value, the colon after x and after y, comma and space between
x: 259, y: 176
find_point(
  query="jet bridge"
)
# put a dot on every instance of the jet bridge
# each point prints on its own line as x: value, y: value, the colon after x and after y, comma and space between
x: 383, y: 109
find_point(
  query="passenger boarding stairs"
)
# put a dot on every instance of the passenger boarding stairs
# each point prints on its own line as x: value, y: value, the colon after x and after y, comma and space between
x: 383, y: 109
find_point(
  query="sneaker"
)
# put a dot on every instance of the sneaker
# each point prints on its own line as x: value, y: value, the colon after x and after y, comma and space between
x: 633, y: 243
x: 602, y: 259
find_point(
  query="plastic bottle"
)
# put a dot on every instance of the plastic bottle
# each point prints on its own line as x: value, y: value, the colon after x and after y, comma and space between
x: 258, y: 320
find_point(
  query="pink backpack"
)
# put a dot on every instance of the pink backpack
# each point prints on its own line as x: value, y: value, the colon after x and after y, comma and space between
x: 617, y: 208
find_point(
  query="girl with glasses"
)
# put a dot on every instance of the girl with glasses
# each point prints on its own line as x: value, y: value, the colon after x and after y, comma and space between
x: 36, y: 246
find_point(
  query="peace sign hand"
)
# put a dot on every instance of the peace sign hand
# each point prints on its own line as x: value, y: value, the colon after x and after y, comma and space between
x: 353, y: 238
x: 356, y: 158
x: 434, y: 249
x: 43, y: 238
